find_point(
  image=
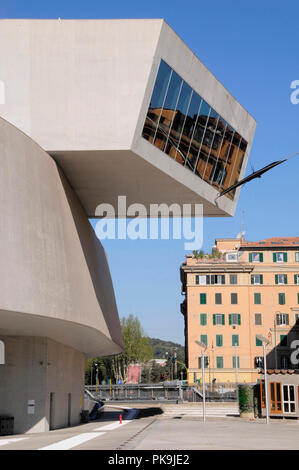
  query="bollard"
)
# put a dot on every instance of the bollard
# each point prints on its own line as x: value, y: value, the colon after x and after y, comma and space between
x: 120, y: 419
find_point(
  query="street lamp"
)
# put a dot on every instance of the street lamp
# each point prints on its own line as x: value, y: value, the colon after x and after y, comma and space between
x: 236, y: 367
x: 204, y: 347
x: 265, y: 341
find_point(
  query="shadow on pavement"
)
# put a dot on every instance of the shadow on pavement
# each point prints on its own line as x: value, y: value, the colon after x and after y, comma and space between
x: 146, y: 412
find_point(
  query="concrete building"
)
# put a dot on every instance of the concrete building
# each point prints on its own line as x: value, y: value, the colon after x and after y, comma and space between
x: 247, y: 288
x: 90, y: 110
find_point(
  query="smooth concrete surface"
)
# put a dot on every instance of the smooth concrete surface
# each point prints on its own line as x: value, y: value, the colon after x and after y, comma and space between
x: 34, y: 368
x: 158, y: 433
x: 55, y: 279
x: 81, y: 89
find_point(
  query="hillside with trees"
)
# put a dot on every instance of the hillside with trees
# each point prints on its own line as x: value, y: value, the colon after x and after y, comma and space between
x: 139, y: 349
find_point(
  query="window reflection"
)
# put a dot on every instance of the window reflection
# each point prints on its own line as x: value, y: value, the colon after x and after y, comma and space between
x: 157, y: 101
x: 167, y: 114
x: 180, y: 123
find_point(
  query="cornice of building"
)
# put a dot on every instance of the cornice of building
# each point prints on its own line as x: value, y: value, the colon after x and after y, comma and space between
x: 218, y: 268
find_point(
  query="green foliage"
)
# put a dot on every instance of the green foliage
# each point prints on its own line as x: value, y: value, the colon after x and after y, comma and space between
x: 137, y: 349
x: 246, y: 398
x: 160, y: 348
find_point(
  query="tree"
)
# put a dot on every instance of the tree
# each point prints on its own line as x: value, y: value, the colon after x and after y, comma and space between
x: 137, y: 349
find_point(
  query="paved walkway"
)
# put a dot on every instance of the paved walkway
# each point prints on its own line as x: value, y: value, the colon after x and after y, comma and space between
x: 161, y: 432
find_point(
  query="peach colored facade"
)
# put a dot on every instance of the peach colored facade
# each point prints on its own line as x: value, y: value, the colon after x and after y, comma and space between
x: 253, y: 288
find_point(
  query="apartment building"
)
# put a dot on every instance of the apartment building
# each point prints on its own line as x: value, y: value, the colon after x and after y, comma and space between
x: 241, y: 290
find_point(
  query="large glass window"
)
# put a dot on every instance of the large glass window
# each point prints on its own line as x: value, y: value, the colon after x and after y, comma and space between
x: 157, y: 101
x: 162, y: 140
x: 180, y: 123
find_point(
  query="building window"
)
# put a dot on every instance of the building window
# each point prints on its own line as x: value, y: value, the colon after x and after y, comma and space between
x: 203, y: 299
x: 201, y: 280
x: 283, y: 340
x: 234, y: 298
x: 233, y: 279
x: 231, y: 257
x: 181, y: 124
x: 281, y: 279
x: 281, y: 299
x: 259, y: 362
x: 206, y: 362
x: 257, y: 318
x: 258, y: 342
x: 284, y: 362
x: 204, y: 339
x: 234, y: 362
x: 282, y: 319
x: 218, y: 319
x: 257, y: 298
x: 297, y: 318
x: 297, y: 256
x: 219, y: 362
x: 280, y: 257
x: 203, y: 319
x: 234, y: 319
x: 219, y: 340
x: 289, y: 401
x: 296, y: 278
x: 218, y: 299
x: 208, y: 279
x: 217, y: 279
x: 257, y: 279
x: 255, y: 257
x: 235, y: 340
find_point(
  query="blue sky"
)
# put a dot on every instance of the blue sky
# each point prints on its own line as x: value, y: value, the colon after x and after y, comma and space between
x: 252, y: 48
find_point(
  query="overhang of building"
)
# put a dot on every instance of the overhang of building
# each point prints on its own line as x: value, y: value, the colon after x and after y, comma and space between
x: 82, y: 89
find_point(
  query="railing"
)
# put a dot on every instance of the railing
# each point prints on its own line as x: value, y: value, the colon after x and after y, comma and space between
x: 164, y: 391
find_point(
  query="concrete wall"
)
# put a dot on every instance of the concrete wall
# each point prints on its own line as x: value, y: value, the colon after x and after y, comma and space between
x: 55, y: 278
x: 35, y: 367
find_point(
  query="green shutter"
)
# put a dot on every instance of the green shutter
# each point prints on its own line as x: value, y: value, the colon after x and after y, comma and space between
x: 251, y: 279
x: 285, y: 257
x: 281, y: 299
x: 258, y: 342
x: 261, y: 279
x: 203, y: 299
x: 274, y: 257
x: 203, y: 319
x: 276, y: 278
x: 223, y: 319
x: 219, y: 340
x: 239, y: 319
x: 250, y: 257
x: 298, y: 298
x: 214, y: 319
x: 295, y: 278
x: 261, y: 257
x: 257, y: 298
x: 230, y: 319
x: 235, y: 340
x: 285, y: 278
x: 219, y: 362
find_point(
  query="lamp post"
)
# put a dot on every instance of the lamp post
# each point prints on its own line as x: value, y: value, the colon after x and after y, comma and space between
x: 236, y: 368
x: 204, y: 347
x: 265, y: 341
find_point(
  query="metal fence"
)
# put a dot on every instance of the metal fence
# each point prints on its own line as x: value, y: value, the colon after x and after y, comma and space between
x: 165, y: 391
